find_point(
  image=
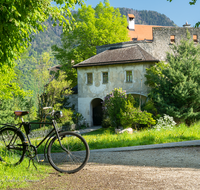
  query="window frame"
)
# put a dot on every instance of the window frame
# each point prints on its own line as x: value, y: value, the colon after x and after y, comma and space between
x: 90, y: 78
x: 103, y: 78
x: 129, y: 76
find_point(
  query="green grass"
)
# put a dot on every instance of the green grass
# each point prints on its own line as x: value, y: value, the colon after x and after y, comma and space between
x: 20, y: 176
x: 106, y: 138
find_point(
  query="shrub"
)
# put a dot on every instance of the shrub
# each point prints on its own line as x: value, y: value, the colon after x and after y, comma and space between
x: 106, y: 122
x: 165, y: 122
x: 78, y: 118
x: 135, y: 118
x: 112, y: 104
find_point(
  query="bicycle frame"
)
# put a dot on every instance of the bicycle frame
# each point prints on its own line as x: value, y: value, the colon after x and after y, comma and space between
x: 53, y: 132
x: 49, y: 135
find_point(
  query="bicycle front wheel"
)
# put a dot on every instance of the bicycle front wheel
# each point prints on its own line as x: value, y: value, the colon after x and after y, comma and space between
x: 75, y: 155
x: 12, y: 149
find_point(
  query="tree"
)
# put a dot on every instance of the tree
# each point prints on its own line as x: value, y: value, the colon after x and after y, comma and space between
x: 53, y: 95
x: 176, y: 84
x: 8, y: 86
x: 92, y: 27
x: 20, y: 19
x: 192, y: 2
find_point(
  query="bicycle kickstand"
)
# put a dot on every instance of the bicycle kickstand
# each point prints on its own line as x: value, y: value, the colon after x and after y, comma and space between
x: 32, y: 162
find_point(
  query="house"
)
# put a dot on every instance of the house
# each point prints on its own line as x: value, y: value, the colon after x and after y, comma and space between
x: 124, y: 65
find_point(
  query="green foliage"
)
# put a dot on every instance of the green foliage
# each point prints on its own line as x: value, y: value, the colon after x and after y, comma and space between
x: 67, y: 117
x: 8, y: 85
x: 135, y: 118
x: 53, y: 94
x: 150, y: 107
x: 120, y: 109
x: 31, y: 72
x: 176, y: 85
x: 106, y: 122
x: 92, y: 27
x: 8, y: 106
x: 21, y: 19
x: 77, y: 118
x: 112, y: 104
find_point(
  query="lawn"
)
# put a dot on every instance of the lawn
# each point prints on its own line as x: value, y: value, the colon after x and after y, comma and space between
x: 21, y: 176
x: 106, y: 138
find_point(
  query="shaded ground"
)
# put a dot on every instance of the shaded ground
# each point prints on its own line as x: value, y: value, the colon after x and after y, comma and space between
x: 174, y: 168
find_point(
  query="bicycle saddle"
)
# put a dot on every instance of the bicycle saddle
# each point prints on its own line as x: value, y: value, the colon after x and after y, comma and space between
x: 20, y: 113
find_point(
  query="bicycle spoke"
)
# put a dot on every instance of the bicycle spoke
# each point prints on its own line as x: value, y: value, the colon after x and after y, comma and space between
x: 12, y: 149
x: 74, y: 158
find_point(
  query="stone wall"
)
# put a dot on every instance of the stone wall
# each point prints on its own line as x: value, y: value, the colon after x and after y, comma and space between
x: 161, y: 41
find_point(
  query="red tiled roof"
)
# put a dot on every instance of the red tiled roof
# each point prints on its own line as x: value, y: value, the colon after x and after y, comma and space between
x: 142, y: 32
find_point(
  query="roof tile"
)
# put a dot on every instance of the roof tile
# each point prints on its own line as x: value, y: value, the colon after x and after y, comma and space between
x: 130, y: 54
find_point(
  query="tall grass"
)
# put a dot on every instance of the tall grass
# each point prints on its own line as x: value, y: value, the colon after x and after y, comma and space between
x: 20, y: 176
x: 108, y: 139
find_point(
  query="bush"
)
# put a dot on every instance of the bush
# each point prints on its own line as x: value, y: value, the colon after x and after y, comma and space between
x: 106, y: 122
x: 78, y: 119
x: 165, y: 122
x: 67, y: 117
x: 135, y: 118
x: 112, y: 104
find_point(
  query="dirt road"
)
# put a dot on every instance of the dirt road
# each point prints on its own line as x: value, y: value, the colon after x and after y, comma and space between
x: 174, y: 168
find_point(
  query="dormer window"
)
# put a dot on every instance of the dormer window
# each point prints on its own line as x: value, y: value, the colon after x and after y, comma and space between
x: 172, y: 39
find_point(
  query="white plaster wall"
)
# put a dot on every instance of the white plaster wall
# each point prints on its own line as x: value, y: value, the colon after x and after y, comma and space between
x: 116, y: 79
x: 84, y: 107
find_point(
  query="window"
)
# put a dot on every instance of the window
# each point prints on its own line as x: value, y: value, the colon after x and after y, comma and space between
x: 105, y: 77
x: 172, y: 39
x: 89, y: 78
x: 129, y: 76
x: 195, y: 38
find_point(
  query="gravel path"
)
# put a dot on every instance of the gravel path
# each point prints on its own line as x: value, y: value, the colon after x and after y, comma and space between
x: 171, y: 168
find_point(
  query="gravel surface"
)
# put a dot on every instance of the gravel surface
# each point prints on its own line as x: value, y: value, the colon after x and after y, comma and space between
x: 171, y: 168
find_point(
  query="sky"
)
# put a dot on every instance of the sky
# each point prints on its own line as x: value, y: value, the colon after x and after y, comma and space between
x: 178, y: 11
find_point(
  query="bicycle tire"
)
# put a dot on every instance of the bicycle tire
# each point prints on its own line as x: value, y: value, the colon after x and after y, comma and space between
x: 12, y: 153
x: 73, y: 160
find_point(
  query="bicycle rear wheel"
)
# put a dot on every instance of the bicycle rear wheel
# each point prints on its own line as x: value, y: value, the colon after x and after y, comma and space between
x: 71, y: 160
x: 12, y: 149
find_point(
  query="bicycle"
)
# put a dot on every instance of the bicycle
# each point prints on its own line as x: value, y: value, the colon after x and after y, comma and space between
x: 66, y: 152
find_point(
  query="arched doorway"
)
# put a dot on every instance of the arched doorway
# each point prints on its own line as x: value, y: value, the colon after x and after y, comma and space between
x: 97, y: 111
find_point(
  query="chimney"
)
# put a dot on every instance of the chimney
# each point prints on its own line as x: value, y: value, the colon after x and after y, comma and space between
x: 131, y: 22
x: 186, y: 25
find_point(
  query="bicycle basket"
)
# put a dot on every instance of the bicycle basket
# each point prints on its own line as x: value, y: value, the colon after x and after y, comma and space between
x: 27, y: 127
